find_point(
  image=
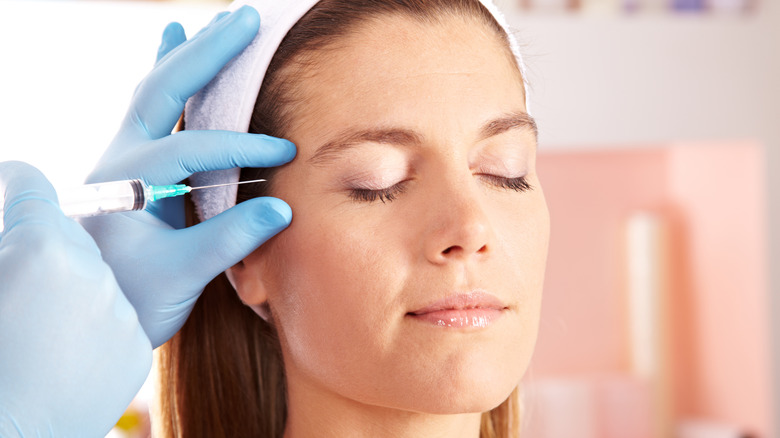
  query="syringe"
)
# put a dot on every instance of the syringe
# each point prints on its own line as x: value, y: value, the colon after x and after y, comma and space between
x: 119, y: 196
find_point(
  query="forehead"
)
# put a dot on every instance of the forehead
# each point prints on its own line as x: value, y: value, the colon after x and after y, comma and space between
x: 396, y: 70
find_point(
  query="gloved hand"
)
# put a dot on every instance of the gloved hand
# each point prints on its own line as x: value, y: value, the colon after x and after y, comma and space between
x: 72, y: 353
x: 161, y: 269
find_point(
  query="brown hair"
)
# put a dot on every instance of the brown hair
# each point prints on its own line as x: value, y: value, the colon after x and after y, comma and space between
x: 222, y: 375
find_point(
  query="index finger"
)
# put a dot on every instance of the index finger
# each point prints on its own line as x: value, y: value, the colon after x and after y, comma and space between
x: 160, y: 98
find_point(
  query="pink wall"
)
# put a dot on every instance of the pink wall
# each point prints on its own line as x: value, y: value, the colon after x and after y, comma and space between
x: 590, y: 194
x: 721, y: 192
x: 714, y: 197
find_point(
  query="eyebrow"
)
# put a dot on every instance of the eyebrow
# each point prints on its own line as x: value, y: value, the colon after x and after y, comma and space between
x: 333, y: 148
x: 406, y: 137
x: 518, y: 120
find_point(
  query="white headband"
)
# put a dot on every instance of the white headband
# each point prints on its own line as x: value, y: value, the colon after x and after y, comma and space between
x: 228, y: 101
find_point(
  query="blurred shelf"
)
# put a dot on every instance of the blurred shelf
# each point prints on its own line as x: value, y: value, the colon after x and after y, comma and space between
x: 700, y: 9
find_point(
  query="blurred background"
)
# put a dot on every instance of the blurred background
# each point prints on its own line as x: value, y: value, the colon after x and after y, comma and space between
x: 659, y: 156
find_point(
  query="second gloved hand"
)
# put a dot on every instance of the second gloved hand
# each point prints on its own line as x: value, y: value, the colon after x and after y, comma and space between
x: 162, y: 267
x: 72, y: 353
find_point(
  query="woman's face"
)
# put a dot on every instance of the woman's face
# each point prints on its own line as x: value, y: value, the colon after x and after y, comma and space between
x: 411, y: 275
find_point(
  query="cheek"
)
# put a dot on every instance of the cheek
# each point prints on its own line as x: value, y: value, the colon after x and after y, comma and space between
x: 522, y: 240
x: 330, y: 284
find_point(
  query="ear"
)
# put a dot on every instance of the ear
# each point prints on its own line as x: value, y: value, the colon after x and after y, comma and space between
x: 247, y: 280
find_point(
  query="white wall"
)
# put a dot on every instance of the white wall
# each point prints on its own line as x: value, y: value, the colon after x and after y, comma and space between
x: 602, y: 80
x: 69, y: 70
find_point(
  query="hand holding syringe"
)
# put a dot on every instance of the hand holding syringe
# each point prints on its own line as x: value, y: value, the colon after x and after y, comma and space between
x: 119, y: 196
x: 62, y: 305
x: 161, y: 263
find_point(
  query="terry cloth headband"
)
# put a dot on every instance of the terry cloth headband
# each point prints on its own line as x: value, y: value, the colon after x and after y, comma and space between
x: 228, y: 101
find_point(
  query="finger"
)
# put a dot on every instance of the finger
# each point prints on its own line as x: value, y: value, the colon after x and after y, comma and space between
x: 178, y: 156
x: 229, y: 237
x: 172, y: 37
x: 29, y: 196
x: 177, y: 37
x: 161, y: 96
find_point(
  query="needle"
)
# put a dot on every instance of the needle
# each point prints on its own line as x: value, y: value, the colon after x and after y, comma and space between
x: 227, y: 184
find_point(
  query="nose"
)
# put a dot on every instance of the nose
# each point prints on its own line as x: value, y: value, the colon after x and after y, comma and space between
x: 459, y: 229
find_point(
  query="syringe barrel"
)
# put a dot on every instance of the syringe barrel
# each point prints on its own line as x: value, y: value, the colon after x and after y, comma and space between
x: 103, y: 198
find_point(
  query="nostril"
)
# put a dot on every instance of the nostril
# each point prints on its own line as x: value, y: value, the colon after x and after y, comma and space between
x: 456, y: 248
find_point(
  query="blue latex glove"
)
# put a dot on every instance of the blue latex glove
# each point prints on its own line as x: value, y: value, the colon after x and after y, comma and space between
x: 72, y: 353
x: 161, y: 269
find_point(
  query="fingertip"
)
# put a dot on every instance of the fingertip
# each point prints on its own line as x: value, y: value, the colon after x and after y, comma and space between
x: 287, y: 149
x: 243, y: 24
x: 266, y: 216
x: 172, y: 37
x: 174, y: 31
x: 247, y: 15
x: 281, y: 208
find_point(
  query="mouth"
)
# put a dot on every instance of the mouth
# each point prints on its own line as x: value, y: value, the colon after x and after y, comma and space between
x: 471, y: 310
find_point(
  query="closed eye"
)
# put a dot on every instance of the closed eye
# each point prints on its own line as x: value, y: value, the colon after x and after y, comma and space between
x: 519, y: 184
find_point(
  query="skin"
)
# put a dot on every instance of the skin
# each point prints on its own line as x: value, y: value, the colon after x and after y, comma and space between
x: 342, y: 280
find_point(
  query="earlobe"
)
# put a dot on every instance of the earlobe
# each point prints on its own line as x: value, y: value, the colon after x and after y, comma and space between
x: 246, y: 280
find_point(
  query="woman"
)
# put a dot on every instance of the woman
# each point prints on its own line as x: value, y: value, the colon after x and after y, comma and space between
x: 404, y: 298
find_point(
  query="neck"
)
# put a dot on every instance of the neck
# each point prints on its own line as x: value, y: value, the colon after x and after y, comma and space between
x: 314, y: 411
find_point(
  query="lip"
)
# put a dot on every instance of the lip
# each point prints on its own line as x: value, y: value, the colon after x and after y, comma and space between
x: 476, y: 309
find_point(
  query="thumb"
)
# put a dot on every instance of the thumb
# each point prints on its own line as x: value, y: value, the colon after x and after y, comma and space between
x: 28, y: 196
x: 226, y: 239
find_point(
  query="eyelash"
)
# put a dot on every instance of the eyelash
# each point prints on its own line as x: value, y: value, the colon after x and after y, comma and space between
x: 519, y: 184
x: 385, y: 195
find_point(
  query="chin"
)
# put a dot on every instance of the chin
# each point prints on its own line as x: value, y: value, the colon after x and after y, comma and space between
x: 462, y: 394
x: 466, y: 380
x: 471, y: 402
